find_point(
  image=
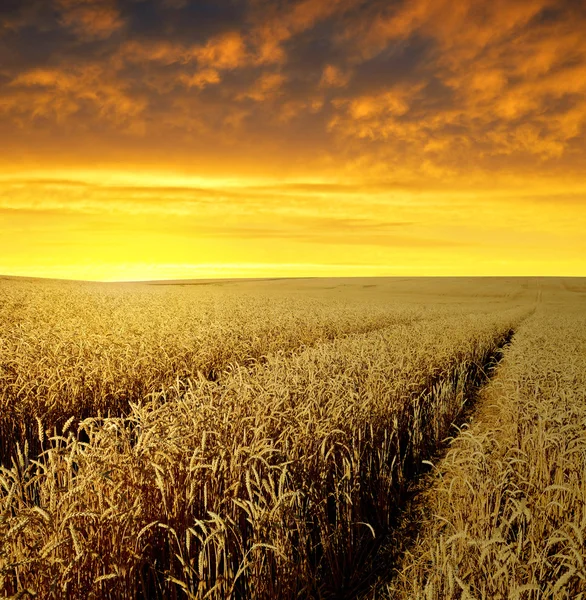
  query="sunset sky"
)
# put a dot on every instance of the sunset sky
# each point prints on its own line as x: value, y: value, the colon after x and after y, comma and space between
x: 152, y: 139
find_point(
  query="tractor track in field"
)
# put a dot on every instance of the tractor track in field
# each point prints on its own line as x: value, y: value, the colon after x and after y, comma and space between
x: 405, y: 527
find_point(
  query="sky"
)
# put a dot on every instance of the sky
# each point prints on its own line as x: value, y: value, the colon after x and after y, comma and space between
x: 166, y: 139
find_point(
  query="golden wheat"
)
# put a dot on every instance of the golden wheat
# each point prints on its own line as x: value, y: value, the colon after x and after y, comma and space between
x: 204, y: 443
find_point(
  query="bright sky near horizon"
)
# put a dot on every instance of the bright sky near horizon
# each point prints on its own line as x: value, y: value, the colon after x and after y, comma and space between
x: 152, y: 139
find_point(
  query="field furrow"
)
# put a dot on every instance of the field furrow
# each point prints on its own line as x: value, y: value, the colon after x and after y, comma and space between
x: 505, y: 516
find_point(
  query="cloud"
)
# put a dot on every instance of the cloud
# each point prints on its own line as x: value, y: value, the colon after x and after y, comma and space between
x: 332, y: 232
x: 59, y: 94
x: 425, y: 87
x: 201, y: 79
x: 274, y: 27
x: 333, y: 76
x: 511, y: 74
x: 462, y: 29
x: 90, y: 18
x: 226, y: 51
x: 267, y: 86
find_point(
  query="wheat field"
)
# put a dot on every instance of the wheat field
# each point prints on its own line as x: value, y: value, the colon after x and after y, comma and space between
x: 380, y: 438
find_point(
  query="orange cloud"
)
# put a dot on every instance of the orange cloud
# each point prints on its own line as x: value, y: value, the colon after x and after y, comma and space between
x: 222, y: 52
x: 516, y: 81
x: 464, y: 27
x: 226, y: 51
x: 137, y: 52
x: 90, y: 18
x: 333, y: 76
x: 267, y: 86
x: 428, y: 88
x: 376, y: 116
x: 292, y: 109
x: 201, y: 79
x: 60, y: 93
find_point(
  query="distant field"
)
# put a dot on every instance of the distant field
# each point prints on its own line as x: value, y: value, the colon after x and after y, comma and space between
x: 264, y: 438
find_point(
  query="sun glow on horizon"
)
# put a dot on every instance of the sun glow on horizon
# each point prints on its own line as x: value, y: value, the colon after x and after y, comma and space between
x: 114, y: 226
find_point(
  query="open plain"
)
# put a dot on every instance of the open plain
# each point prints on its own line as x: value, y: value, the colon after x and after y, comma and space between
x: 301, y: 438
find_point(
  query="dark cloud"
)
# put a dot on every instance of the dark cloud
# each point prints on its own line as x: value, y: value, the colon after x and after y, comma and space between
x: 183, y: 21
